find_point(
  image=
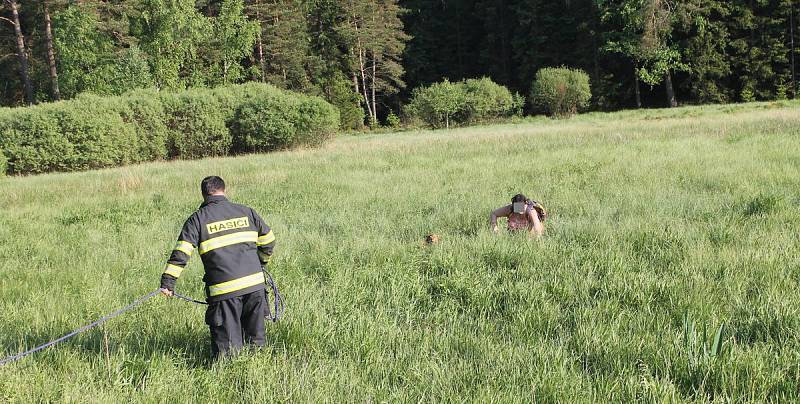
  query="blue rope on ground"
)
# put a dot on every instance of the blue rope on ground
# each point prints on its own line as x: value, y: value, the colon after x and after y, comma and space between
x: 187, y: 298
x: 79, y: 330
x: 278, y: 313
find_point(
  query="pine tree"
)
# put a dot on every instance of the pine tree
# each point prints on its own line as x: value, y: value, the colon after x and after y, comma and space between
x: 375, y: 41
x: 446, y: 39
x: 704, y: 40
x: 761, y: 50
x: 704, y: 50
x: 284, y: 47
x: 544, y: 26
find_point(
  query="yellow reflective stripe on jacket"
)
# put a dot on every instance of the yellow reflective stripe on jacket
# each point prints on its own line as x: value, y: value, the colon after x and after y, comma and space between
x: 173, y: 270
x: 236, y: 284
x: 228, y: 239
x: 185, y: 247
x: 265, y: 239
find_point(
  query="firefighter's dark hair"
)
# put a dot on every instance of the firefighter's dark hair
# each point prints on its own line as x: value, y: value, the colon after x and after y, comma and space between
x: 212, y: 184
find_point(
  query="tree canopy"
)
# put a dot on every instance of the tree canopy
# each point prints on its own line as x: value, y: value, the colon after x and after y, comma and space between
x: 371, y: 54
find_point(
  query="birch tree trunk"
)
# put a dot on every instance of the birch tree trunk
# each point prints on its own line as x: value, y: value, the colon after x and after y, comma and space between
x: 374, y: 117
x: 260, y: 44
x: 51, y: 57
x: 21, y: 54
x: 361, y: 66
x: 374, y: 103
x: 364, y: 84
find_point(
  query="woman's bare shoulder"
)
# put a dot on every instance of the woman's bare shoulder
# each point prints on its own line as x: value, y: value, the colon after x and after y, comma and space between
x: 503, y: 211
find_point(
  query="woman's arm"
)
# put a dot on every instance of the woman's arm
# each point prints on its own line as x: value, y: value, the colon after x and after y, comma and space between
x: 535, y: 226
x: 499, y: 212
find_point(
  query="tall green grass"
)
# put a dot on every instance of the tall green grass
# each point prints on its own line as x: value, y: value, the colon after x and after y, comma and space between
x: 662, y: 224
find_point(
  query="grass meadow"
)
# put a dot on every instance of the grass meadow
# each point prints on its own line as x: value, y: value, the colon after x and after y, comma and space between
x: 665, y: 225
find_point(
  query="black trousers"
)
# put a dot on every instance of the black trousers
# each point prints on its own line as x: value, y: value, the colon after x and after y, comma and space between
x: 237, y: 321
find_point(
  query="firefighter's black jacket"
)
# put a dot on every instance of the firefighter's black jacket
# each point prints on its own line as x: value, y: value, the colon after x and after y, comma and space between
x: 233, y: 243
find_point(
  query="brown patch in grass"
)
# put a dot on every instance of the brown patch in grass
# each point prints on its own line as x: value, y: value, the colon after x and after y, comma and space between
x: 128, y: 182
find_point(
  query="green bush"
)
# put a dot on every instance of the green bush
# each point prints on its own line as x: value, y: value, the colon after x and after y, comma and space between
x: 392, y: 120
x: 278, y: 120
x: 438, y: 103
x: 99, y: 136
x: 486, y: 100
x: 316, y: 121
x: 262, y: 124
x: 86, y: 133
x: 518, y: 106
x: 3, y: 165
x: 467, y: 101
x: 196, y: 121
x: 145, y: 112
x: 32, y: 140
x: 262, y: 117
x: 561, y: 92
x: 144, y: 125
x: 232, y: 97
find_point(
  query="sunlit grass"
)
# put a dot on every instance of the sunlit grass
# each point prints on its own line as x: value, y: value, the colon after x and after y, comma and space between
x: 654, y: 216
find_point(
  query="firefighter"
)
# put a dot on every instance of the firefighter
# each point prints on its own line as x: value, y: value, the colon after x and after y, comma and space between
x: 233, y: 243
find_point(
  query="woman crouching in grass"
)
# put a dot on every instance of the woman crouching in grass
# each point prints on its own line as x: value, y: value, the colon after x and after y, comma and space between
x: 522, y: 214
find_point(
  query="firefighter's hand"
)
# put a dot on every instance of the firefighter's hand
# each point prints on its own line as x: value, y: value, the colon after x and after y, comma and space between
x: 166, y: 292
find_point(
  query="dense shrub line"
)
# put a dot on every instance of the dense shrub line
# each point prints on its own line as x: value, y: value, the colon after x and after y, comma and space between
x: 94, y: 132
x: 559, y: 92
x: 464, y: 102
